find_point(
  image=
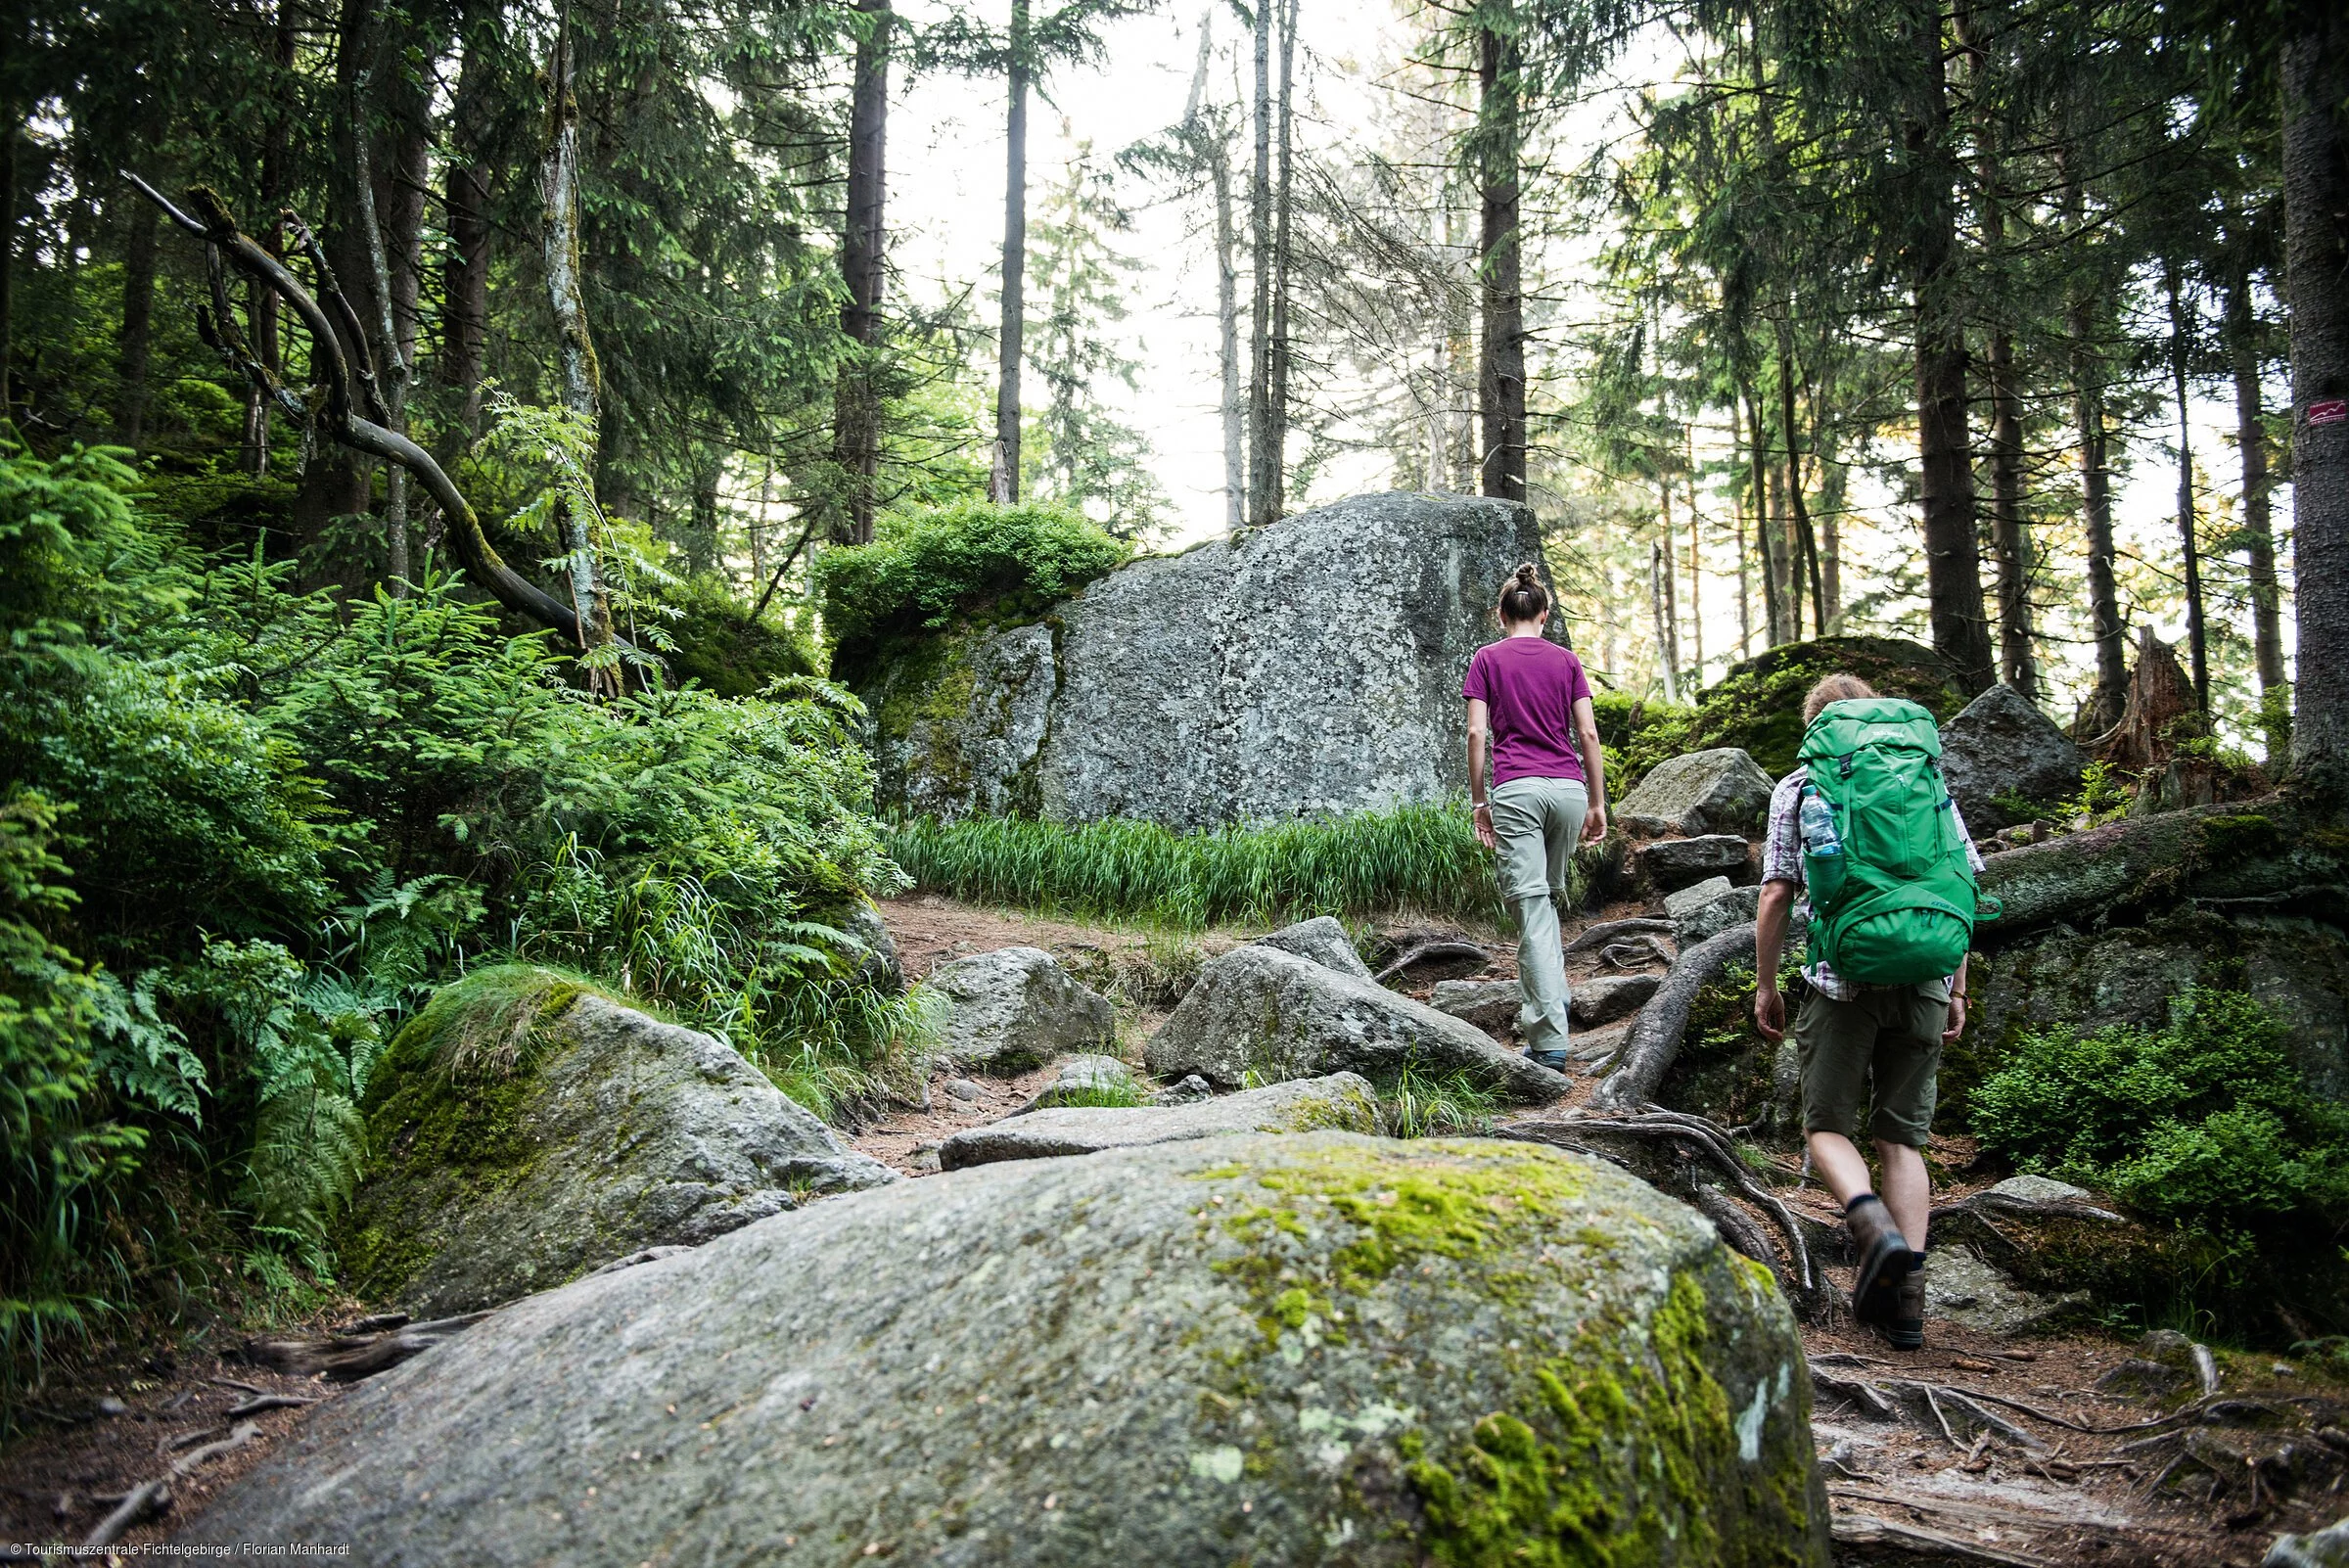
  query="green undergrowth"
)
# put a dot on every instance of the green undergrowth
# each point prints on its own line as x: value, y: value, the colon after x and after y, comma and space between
x: 1424, y: 858
x: 2206, y: 1128
x: 1417, y: 1101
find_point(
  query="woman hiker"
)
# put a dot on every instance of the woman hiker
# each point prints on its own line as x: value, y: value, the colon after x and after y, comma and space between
x: 1529, y: 710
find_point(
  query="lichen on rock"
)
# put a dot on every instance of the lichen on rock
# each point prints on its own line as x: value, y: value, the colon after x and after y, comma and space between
x: 1324, y: 1348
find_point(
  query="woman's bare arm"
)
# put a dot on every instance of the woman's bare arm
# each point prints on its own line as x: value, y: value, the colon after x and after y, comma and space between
x: 1595, y: 769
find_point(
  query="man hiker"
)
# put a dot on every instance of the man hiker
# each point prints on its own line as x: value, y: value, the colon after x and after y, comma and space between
x: 1529, y: 709
x: 1866, y: 826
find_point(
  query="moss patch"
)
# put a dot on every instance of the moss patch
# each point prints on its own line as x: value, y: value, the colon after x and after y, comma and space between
x: 445, y: 1118
x: 1617, y: 1461
x: 1758, y: 705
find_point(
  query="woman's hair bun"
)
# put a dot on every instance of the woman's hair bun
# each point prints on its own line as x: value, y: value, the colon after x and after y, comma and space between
x: 1527, y: 577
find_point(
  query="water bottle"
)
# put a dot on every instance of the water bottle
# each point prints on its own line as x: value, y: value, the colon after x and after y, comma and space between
x: 1819, y: 826
x: 1822, y: 851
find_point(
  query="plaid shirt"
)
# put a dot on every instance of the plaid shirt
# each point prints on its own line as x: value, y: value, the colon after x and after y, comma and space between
x: 1782, y: 862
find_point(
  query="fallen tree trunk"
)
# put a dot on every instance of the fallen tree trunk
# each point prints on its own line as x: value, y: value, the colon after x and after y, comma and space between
x: 349, y: 1358
x: 1656, y: 1033
x: 2281, y: 853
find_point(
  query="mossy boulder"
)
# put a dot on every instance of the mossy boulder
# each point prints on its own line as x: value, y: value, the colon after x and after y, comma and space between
x: 525, y: 1128
x: 1757, y: 705
x: 1319, y: 1349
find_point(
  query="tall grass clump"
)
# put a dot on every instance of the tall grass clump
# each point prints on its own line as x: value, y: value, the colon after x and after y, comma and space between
x: 1420, y: 857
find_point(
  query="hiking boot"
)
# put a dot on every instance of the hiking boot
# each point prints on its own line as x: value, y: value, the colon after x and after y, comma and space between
x: 1882, y: 1256
x: 1556, y: 1061
x: 1904, y: 1328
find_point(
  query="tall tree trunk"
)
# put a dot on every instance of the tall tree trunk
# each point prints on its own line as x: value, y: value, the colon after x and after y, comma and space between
x: 1003, y: 482
x: 1831, y: 496
x: 1945, y: 470
x: 2316, y: 190
x: 2111, y: 693
x: 2010, y: 533
x: 392, y: 216
x: 857, y: 411
x: 2258, y: 525
x: 579, y: 375
x: 1745, y: 590
x: 1659, y: 579
x: 138, y: 314
x: 2009, y: 537
x: 1774, y: 616
x: 701, y: 532
x: 8, y: 247
x: 1670, y: 577
x: 1804, y: 540
x: 2198, y: 658
x: 1500, y: 374
x: 254, y: 455
x: 1277, y: 394
x: 465, y: 280
x: 1696, y: 579
x: 1263, y: 458
x: 1210, y: 147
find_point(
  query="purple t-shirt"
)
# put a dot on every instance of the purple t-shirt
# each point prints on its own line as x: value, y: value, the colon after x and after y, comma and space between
x: 1530, y: 686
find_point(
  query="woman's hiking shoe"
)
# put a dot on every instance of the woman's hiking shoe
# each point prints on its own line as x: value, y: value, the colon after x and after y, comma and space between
x: 1904, y: 1328
x: 1556, y: 1061
x: 1882, y: 1256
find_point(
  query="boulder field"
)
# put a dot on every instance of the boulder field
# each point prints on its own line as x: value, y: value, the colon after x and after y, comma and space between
x: 1308, y: 1349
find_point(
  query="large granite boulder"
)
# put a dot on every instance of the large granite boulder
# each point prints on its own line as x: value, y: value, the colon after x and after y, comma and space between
x: 1716, y: 791
x: 1341, y: 1103
x: 1323, y: 941
x: 1317, y: 1349
x: 2002, y: 744
x: 1016, y: 1008
x: 523, y: 1130
x: 1259, y: 1011
x: 1311, y: 665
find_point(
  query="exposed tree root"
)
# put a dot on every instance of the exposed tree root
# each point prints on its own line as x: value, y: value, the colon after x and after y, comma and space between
x: 1608, y: 932
x: 151, y: 1497
x: 1655, y: 1038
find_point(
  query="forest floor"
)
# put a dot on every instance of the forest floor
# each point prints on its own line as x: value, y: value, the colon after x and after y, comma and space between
x: 1901, y: 1490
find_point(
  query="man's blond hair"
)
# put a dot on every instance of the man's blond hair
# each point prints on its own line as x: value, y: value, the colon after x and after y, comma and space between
x: 1834, y: 689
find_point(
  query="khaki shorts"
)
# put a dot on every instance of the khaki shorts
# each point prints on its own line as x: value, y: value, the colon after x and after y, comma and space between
x: 1885, y: 1044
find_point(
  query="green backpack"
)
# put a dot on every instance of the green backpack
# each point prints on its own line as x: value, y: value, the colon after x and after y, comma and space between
x: 1897, y: 906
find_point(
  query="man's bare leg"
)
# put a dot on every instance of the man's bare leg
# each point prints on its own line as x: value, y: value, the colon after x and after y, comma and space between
x: 1907, y: 1190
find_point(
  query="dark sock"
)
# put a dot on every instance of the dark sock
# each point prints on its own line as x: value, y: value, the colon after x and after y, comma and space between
x: 1916, y: 1259
x: 1865, y: 1197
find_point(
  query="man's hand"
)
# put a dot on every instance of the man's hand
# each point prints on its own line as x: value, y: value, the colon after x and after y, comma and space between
x: 1481, y: 814
x: 1595, y: 824
x: 1948, y: 1035
x: 1770, y: 1011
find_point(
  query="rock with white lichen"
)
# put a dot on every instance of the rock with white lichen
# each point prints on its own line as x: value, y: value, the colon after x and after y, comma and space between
x: 1320, y: 1348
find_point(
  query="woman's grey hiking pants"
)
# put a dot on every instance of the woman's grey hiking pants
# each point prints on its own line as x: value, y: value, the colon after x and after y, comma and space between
x: 1538, y: 821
